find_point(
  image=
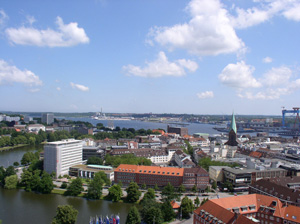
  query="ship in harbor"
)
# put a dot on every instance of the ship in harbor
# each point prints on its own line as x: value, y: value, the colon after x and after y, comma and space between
x: 102, y: 116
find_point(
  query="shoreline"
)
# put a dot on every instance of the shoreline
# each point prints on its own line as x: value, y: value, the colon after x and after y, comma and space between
x: 8, y: 148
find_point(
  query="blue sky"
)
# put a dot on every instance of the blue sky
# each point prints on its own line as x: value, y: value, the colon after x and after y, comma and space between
x: 199, y: 56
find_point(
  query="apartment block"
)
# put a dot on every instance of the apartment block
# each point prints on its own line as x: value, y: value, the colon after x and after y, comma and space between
x: 59, y: 156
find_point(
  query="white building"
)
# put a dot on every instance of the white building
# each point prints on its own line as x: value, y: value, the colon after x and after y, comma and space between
x: 36, y: 128
x: 61, y: 155
x: 48, y: 118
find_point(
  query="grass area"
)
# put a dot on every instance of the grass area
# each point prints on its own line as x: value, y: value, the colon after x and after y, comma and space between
x: 12, y: 147
x: 58, y: 191
x: 62, y: 191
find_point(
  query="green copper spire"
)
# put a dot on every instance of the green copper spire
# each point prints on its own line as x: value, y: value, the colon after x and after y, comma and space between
x: 233, y: 124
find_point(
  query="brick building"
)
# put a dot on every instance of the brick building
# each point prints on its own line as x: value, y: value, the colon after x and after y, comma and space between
x: 179, y: 131
x: 286, y: 189
x: 152, y: 175
x: 252, y: 208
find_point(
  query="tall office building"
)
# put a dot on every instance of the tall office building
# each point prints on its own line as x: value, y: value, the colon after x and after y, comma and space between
x: 60, y: 155
x: 48, y: 118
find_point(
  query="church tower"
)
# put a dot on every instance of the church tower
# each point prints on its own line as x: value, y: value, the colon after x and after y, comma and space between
x: 232, y: 143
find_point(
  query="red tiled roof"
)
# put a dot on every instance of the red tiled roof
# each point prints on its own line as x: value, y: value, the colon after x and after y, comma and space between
x: 255, y: 154
x: 174, y: 205
x: 168, y: 171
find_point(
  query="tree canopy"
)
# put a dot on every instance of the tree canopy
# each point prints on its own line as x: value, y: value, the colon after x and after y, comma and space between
x: 133, y: 192
x: 65, y: 214
x: 126, y: 159
x: 95, y: 187
x: 187, y: 207
x: 115, y: 193
x: 75, y: 187
x: 133, y: 216
x: 11, y: 182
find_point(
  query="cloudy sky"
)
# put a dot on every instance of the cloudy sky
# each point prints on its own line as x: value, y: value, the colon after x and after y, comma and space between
x: 170, y: 56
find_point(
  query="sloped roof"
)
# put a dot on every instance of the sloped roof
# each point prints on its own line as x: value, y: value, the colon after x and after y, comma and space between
x: 175, y: 205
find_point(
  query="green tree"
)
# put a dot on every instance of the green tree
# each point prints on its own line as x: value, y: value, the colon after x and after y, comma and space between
x: 190, y: 148
x: 120, y: 183
x: 10, y: 171
x: 168, y: 193
x: 46, y: 184
x: 11, y: 182
x: 28, y: 158
x: 95, y: 160
x: 207, y: 189
x: 150, y: 194
x: 2, y: 174
x: 26, y: 179
x: 133, y: 193
x: 181, y: 189
x: 197, y: 202
x: 64, y: 185
x: 95, y: 187
x: 194, y: 188
x: 143, y: 186
x: 115, y: 192
x: 214, y: 185
x: 156, y: 187
x: 167, y: 211
x: 35, y: 181
x: 133, y: 216
x: 16, y: 164
x: 187, y: 207
x: 104, y: 177
x: 75, y: 187
x: 228, y: 185
x: 65, y: 214
x: 153, y: 215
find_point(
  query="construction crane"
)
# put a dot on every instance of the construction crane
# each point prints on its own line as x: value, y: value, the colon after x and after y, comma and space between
x: 294, y: 111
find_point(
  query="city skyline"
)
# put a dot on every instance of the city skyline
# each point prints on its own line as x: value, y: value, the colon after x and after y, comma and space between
x: 193, y: 57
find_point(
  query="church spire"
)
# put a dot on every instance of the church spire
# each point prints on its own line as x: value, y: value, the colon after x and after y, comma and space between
x: 233, y: 124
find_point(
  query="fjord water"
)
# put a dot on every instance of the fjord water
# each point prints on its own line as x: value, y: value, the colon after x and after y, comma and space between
x: 18, y: 206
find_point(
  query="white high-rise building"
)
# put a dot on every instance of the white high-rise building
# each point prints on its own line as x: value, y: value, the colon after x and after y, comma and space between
x: 48, y: 118
x: 60, y: 155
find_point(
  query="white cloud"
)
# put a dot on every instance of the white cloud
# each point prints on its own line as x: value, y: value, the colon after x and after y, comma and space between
x: 10, y: 74
x: 267, y: 60
x: 79, y: 87
x: 272, y: 85
x: 269, y: 94
x: 58, y: 88
x: 162, y: 67
x: 293, y: 12
x: 209, y: 32
x: 277, y: 76
x: 206, y: 94
x: 264, y: 11
x: 3, y: 17
x: 30, y: 19
x: 249, y: 17
x: 66, y: 35
x: 239, y: 76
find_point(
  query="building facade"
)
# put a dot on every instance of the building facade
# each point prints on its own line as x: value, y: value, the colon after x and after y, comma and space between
x: 161, y: 176
x: 48, y: 118
x: 59, y: 156
x: 244, y: 209
x: 179, y: 131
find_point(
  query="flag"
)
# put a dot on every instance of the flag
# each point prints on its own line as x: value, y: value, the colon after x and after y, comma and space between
x: 117, y: 219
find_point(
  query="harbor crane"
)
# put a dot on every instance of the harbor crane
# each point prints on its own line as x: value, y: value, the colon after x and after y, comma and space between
x: 294, y: 111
